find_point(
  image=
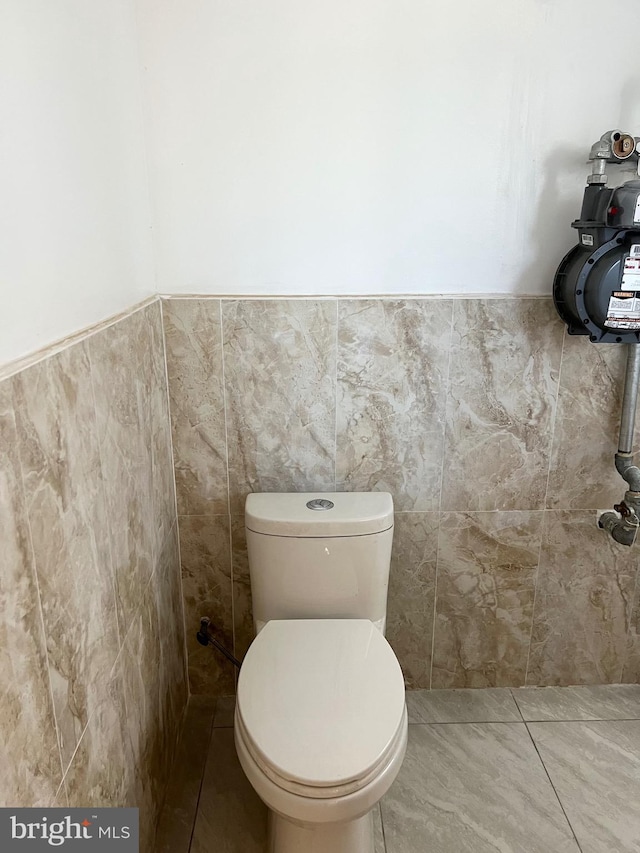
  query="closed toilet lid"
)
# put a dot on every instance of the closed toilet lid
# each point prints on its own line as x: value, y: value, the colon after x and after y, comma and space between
x: 321, y: 700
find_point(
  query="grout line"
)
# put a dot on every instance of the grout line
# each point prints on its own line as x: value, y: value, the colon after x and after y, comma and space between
x: 464, y: 511
x: 555, y: 419
x: 103, y: 488
x: 435, y: 604
x: 204, y: 773
x: 444, y: 441
x: 544, y: 767
x: 447, y: 382
x: 175, y: 495
x: 468, y: 723
x: 384, y: 835
x: 62, y: 787
x: 335, y: 414
x: 518, y: 722
x: 535, y: 746
x: 34, y: 572
x: 543, y: 526
x: 420, y: 295
x: 229, y: 517
x: 628, y: 632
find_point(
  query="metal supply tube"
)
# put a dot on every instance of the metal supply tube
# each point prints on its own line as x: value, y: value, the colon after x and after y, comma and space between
x: 630, y: 399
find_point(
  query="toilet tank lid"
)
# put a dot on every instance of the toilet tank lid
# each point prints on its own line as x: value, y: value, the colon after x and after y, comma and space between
x: 351, y: 513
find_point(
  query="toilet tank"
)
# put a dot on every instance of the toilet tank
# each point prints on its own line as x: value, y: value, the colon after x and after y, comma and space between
x: 319, y: 555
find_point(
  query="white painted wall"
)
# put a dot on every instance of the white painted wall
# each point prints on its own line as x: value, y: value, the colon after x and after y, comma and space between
x: 75, y: 242
x: 377, y: 146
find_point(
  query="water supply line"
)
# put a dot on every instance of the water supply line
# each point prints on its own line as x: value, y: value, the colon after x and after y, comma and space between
x: 624, y: 522
x: 206, y: 638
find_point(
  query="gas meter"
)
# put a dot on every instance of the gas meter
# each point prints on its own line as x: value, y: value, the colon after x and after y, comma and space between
x: 596, y: 289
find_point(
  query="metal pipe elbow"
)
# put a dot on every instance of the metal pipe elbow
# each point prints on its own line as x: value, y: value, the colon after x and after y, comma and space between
x: 628, y: 471
x: 622, y: 529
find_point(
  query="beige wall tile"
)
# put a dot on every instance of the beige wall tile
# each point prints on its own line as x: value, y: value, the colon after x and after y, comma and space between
x: 174, y: 689
x: 29, y: 755
x: 487, y: 563
x: 582, y: 471
x: 121, y: 362
x: 392, y: 369
x: 505, y: 360
x: 162, y: 473
x: 631, y: 666
x: 60, y: 457
x: 243, y: 631
x: 98, y: 477
x: 411, y: 594
x: 206, y: 584
x: 194, y: 363
x: 280, y: 370
x: 584, y: 598
x: 101, y: 771
x: 142, y: 685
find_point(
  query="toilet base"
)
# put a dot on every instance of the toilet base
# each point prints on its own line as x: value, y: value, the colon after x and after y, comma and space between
x: 354, y: 836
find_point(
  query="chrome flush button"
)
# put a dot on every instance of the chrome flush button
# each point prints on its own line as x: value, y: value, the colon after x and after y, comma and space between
x: 320, y: 504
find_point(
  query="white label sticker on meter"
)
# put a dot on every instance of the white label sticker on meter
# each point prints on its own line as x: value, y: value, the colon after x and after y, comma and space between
x: 624, y: 310
x: 631, y: 273
x: 635, y: 250
x: 587, y: 240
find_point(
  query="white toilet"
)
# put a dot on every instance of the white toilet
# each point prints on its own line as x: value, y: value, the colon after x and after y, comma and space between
x: 321, y: 721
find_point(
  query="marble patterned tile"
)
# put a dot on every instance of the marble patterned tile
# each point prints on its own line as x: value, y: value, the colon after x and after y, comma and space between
x: 60, y: 456
x: 280, y: 369
x: 225, y: 711
x: 100, y: 773
x: 140, y: 667
x: 595, y: 768
x: 206, y: 585
x: 631, y: 665
x: 179, y: 813
x: 491, y: 705
x: 162, y: 470
x: 582, y: 473
x: 378, y: 831
x: 231, y: 817
x: 392, y: 368
x: 174, y: 686
x: 155, y: 684
x: 243, y: 631
x: 194, y: 364
x: 29, y: 755
x: 503, y: 378
x: 487, y: 565
x: 584, y: 599
x: 476, y: 788
x: 411, y: 594
x: 598, y: 702
x: 121, y: 370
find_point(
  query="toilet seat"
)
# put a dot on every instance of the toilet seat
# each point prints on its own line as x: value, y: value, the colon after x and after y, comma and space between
x: 317, y: 792
x: 320, y: 705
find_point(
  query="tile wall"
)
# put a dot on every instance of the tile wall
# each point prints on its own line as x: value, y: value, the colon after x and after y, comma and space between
x: 493, y: 430
x: 92, y: 657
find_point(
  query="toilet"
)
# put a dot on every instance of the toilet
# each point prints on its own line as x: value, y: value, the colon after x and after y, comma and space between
x: 321, y: 722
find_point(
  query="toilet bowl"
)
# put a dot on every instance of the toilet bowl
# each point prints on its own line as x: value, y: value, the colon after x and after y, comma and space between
x: 320, y: 730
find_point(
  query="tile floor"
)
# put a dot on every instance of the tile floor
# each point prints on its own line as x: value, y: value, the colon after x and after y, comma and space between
x: 532, y: 770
